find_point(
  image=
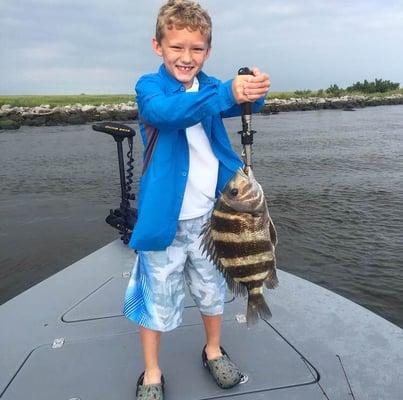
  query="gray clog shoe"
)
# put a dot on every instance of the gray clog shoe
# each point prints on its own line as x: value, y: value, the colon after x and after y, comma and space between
x: 150, y: 392
x: 224, y: 371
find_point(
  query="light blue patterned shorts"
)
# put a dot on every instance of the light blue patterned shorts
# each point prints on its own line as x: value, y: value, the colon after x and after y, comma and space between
x: 156, y: 291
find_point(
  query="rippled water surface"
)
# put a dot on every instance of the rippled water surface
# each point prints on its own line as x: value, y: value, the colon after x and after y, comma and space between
x: 333, y: 180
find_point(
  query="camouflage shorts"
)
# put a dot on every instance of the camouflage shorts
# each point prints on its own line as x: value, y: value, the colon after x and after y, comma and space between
x: 156, y: 291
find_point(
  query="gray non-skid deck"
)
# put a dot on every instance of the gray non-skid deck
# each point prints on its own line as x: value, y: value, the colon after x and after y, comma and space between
x: 66, y: 338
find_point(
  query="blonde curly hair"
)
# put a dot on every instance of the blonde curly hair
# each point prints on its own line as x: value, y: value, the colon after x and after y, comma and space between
x: 183, y: 14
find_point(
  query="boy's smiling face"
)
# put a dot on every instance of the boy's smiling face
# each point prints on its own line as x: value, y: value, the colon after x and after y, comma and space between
x: 183, y: 52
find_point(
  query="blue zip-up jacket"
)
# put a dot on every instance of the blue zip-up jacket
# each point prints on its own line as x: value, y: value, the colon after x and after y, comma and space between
x: 165, y: 106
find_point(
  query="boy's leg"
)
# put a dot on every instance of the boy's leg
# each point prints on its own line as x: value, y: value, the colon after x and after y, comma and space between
x: 150, y: 341
x: 207, y: 287
x: 212, y: 327
x: 154, y: 300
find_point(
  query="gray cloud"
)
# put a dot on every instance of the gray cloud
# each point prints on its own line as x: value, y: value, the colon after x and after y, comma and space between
x: 70, y: 46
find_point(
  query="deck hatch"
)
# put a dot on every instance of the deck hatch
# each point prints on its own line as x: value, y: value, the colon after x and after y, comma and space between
x: 106, y: 301
x: 107, y: 367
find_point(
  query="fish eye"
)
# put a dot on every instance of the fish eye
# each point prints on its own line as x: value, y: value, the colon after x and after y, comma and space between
x: 234, y: 192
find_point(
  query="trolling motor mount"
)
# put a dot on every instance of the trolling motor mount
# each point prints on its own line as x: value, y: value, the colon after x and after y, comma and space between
x: 123, y: 218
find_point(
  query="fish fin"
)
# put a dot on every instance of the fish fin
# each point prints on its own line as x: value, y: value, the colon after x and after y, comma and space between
x: 257, y: 307
x: 207, y: 244
x: 208, y: 248
x: 272, y: 229
x: 271, y: 281
x: 206, y: 241
x: 237, y: 288
x: 205, y: 231
x: 273, y: 232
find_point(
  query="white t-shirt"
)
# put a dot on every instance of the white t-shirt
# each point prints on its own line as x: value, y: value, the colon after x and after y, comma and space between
x: 203, y: 171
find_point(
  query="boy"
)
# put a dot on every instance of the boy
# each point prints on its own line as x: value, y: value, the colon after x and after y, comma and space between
x: 188, y: 161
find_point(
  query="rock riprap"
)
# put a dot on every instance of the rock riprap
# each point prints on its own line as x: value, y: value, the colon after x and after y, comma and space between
x: 331, y: 103
x: 14, y: 117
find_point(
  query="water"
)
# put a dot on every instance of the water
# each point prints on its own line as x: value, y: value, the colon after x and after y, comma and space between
x: 333, y: 180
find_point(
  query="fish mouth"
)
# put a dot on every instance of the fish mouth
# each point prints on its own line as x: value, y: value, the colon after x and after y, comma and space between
x: 244, y: 172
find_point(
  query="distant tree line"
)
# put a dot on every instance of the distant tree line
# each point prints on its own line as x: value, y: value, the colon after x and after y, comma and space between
x: 377, y: 86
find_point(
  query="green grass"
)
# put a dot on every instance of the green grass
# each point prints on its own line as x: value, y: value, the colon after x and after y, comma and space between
x: 313, y: 93
x: 398, y: 91
x: 53, y: 101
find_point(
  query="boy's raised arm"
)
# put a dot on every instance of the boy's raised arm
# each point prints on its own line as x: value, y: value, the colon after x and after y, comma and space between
x: 180, y: 111
x: 251, y: 88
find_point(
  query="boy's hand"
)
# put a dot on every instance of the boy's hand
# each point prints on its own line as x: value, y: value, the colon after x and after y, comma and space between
x: 250, y: 87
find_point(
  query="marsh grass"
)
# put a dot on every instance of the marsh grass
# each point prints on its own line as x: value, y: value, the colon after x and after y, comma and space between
x: 322, y: 93
x: 96, y: 100
x: 60, y: 100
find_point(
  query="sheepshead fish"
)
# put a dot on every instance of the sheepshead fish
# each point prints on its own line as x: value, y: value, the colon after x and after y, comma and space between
x: 240, y: 239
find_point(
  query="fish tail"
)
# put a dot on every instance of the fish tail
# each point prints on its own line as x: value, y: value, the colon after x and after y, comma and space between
x: 257, y: 307
x: 272, y: 281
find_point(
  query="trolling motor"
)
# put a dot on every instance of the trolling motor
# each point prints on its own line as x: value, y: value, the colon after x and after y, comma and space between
x: 124, y: 217
x: 247, y: 132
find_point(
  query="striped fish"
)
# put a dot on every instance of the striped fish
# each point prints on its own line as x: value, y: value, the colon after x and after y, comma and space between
x: 240, y: 239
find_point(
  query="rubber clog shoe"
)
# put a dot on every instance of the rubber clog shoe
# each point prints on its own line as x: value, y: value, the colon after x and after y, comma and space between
x: 225, y: 373
x: 153, y: 391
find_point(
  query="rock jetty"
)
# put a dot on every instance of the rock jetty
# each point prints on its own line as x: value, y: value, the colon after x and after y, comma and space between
x: 331, y: 103
x: 14, y: 117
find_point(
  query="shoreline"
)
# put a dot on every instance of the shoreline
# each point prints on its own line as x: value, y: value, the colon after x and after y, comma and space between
x: 12, y: 118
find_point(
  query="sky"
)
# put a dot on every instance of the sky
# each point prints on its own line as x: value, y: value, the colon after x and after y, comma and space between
x: 104, y: 46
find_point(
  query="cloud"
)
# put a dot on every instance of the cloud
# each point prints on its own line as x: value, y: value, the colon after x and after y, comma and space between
x: 102, y: 46
x: 45, y: 53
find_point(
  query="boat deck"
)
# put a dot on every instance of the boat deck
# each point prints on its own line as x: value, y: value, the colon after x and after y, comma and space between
x: 66, y: 338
